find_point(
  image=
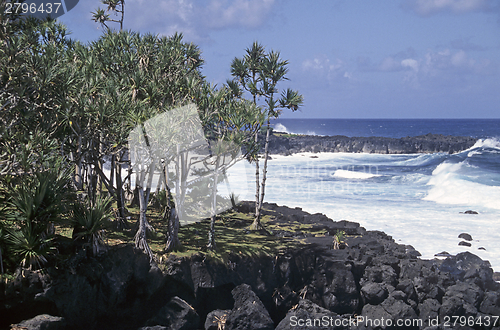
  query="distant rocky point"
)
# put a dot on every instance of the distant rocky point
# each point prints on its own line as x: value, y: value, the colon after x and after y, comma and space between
x: 290, y: 144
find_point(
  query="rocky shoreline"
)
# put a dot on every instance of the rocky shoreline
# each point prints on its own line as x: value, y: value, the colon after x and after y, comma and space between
x: 371, y: 278
x: 430, y: 143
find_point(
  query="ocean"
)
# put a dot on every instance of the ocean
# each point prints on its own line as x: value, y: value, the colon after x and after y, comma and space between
x: 418, y: 199
x: 395, y: 128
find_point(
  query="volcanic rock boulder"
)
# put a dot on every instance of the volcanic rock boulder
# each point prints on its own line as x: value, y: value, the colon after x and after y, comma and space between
x: 177, y: 314
x: 248, y: 313
x: 217, y: 319
x: 465, y: 236
x: 307, y: 315
x: 373, y: 293
x: 43, y: 322
x: 470, y: 268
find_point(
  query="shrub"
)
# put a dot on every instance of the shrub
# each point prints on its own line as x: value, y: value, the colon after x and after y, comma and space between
x: 89, y: 219
x: 31, y: 244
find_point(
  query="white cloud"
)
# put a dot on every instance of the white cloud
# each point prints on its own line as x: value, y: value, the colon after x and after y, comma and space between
x: 411, y: 63
x: 196, y: 19
x: 322, y: 63
x: 322, y: 67
x: 389, y: 64
x: 430, y: 7
x: 435, y: 65
x: 460, y: 59
x: 454, y: 62
x: 246, y: 13
x: 411, y: 77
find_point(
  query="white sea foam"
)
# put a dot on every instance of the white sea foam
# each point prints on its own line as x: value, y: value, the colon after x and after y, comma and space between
x: 491, y: 143
x: 450, y: 186
x: 420, y: 160
x: 474, y: 152
x: 411, y: 178
x: 345, y: 174
x: 408, y: 202
x: 279, y: 127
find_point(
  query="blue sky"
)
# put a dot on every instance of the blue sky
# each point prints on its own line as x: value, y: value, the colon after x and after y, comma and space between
x: 348, y: 58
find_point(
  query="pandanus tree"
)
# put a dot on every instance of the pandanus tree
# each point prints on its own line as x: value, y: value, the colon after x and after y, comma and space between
x: 33, y: 90
x: 229, y: 125
x: 117, y: 6
x: 151, y: 75
x: 168, y: 138
x: 259, y: 73
x: 33, y: 78
x: 127, y: 79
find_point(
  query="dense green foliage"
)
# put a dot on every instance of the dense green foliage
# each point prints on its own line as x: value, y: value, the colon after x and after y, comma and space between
x: 67, y: 108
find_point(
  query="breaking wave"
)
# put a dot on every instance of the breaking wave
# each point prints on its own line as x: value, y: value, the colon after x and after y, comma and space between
x: 279, y: 127
x: 345, y: 174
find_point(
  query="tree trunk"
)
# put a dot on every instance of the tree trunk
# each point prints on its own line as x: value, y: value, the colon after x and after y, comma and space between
x: 99, y: 163
x: 120, y: 197
x: 92, y: 172
x: 1, y: 261
x: 132, y: 194
x: 134, y: 201
x: 140, y: 237
x: 78, y: 166
x: 103, y: 179
x: 256, y: 225
x: 147, y: 192
x: 112, y: 174
x: 211, y: 234
x: 257, y: 181
x: 150, y: 181
x: 173, y: 242
x: 184, y: 176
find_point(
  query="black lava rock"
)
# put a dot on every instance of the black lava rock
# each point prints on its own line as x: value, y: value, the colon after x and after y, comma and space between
x: 307, y: 315
x: 465, y: 236
x: 176, y: 314
x: 374, y: 293
x: 373, y: 277
x: 43, y: 322
x: 429, y: 143
x: 248, y: 312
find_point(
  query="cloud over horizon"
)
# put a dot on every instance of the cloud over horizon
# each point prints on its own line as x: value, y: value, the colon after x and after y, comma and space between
x: 349, y: 56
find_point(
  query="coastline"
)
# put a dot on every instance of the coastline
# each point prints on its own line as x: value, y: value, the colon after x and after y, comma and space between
x: 432, y: 226
x: 370, y: 276
x: 288, y: 144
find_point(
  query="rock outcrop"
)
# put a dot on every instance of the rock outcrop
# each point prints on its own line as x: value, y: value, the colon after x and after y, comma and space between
x: 429, y: 143
x: 312, y: 287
